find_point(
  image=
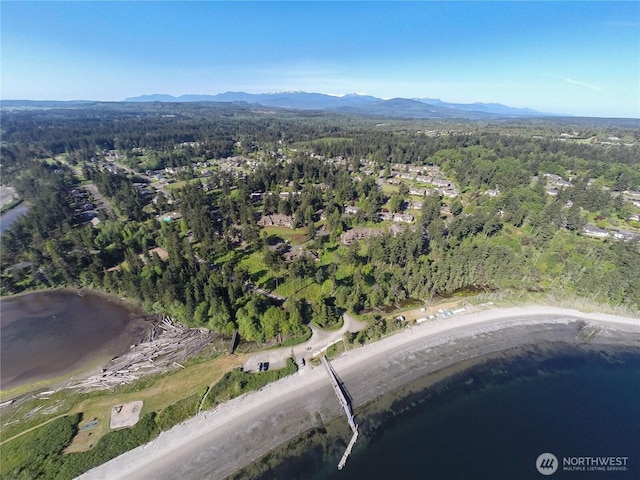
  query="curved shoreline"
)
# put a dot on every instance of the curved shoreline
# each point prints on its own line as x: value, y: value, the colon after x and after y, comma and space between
x: 111, y: 297
x: 111, y: 335
x: 220, y: 442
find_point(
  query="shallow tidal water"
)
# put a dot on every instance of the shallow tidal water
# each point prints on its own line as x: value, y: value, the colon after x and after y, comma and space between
x: 490, y: 422
x: 46, y: 334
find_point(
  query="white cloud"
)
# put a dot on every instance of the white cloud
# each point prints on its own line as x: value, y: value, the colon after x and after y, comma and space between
x: 572, y: 81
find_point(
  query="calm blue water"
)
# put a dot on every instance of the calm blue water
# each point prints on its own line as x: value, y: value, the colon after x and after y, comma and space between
x: 7, y: 219
x: 494, y: 427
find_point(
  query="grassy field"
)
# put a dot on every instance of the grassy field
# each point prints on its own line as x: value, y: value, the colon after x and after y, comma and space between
x: 164, y: 392
x: 64, y: 159
x: 182, y: 183
x: 156, y: 395
x: 295, y: 237
x: 309, y: 290
x: 389, y: 189
x: 257, y: 269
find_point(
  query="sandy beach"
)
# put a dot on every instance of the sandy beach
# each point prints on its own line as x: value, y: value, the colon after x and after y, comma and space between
x: 220, y: 442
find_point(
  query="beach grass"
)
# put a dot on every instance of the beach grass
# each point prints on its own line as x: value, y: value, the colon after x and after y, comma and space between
x: 157, y: 393
x: 236, y: 382
x: 164, y: 392
x: 560, y: 297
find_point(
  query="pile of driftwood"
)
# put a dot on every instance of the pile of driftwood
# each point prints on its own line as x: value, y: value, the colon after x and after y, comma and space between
x: 167, y: 344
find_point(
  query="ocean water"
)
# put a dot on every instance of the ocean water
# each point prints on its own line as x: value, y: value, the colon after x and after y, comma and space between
x: 493, y: 421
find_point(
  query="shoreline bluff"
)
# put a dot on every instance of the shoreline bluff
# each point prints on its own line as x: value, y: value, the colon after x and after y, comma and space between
x: 219, y: 442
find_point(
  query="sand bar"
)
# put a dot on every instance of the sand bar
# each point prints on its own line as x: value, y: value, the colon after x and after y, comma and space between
x: 219, y: 442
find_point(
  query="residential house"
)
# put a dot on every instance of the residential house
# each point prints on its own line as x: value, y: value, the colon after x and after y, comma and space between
x: 358, y: 233
x: 626, y: 235
x: 557, y: 180
x: 161, y: 252
x: 276, y: 220
x: 285, y: 195
x: 445, y: 210
x: 396, y: 229
x: 403, y: 218
x: 594, y: 231
x: 450, y: 192
x: 169, y: 217
x: 299, y: 252
x: 424, y: 179
x: 352, y: 210
x: 441, y: 182
x: 418, y: 191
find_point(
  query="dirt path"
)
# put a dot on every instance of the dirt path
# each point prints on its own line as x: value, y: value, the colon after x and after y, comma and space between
x: 320, y: 340
x: 7, y: 440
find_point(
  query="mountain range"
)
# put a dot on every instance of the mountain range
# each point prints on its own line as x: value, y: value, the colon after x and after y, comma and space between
x: 357, y: 104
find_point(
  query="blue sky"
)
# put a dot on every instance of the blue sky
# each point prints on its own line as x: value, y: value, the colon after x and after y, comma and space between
x: 579, y: 58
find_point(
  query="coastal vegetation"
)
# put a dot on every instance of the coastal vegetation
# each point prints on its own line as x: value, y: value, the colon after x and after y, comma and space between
x: 10, y: 205
x: 232, y: 219
x: 238, y: 381
x: 37, y: 454
x: 47, y: 452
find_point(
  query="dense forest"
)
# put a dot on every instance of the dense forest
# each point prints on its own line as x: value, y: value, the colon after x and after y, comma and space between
x: 101, y: 179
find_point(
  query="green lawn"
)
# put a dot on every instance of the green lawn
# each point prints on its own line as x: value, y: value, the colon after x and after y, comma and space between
x: 307, y: 289
x: 386, y: 188
x: 181, y: 184
x: 256, y: 267
x: 295, y: 237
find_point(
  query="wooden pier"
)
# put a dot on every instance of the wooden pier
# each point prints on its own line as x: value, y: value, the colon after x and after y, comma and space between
x: 343, y: 460
x: 346, y: 406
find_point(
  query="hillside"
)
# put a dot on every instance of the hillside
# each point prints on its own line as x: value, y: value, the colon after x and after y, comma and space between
x: 358, y: 104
